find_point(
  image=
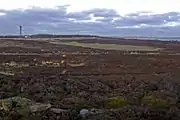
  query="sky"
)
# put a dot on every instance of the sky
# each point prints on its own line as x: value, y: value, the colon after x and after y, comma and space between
x: 107, y: 17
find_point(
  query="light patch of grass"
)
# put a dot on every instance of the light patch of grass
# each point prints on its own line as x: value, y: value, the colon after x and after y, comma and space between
x: 115, y: 102
x: 109, y: 46
x: 155, y: 101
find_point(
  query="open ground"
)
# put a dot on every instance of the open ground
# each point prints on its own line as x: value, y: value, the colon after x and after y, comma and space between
x: 121, y: 79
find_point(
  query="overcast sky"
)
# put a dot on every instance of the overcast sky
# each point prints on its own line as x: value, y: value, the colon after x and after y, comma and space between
x: 107, y: 17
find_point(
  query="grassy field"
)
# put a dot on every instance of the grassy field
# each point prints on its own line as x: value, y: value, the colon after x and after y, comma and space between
x: 109, y: 46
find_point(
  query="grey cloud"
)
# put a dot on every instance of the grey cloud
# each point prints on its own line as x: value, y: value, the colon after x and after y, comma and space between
x: 78, y: 15
x: 108, y: 14
x: 47, y: 19
x: 103, y: 13
x: 157, y: 19
x: 41, y: 20
x: 36, y: 14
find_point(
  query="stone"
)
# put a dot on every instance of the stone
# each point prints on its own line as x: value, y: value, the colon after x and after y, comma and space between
x: 96, y: 111
x: 84, y: 113
x: 57, y: 110
x: 22, y: 105
x: 64, y: 71
x: 64, y: 56
x: 22, y: 89
x: 38, y: 107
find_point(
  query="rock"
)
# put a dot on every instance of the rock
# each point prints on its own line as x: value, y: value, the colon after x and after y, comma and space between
x: 64, y: 71
x: 22, y: 89
x: 84, y: 113
x: 57, y: 110
x: 22, y: 103
x: 1, y: 118
x: 34, y: 59
x: 6, y: 73
x: 64, y: 56
x: 96, y: 111
x: 76, y: 65
x: 39, y: 107
x: 62, y: 61
x: 23, y: 106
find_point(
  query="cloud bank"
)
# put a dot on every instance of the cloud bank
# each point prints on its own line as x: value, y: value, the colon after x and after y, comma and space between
x: 95, y: 21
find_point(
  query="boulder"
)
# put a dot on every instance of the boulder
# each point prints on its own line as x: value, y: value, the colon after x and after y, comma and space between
x: 84, y: 113
x: 22, y: 105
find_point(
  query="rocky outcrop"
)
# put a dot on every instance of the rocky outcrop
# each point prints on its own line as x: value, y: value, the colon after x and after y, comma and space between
x: 22, y: 105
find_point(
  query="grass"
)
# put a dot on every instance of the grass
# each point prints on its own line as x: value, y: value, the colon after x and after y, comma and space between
x: 115, y: 102
x: 109, y: 46
x: 155, y: 101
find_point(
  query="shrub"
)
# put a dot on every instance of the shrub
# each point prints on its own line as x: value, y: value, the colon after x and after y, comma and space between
x: 155, y: 101
x: 115, y: 102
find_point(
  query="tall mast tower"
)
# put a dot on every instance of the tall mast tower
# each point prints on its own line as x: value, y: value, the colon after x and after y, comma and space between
x: 20, y: 30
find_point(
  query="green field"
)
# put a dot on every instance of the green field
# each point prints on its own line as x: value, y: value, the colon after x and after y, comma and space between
x: 109, y: 46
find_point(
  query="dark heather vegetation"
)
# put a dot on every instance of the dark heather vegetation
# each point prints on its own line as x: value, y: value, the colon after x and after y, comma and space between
x: 44, y: 81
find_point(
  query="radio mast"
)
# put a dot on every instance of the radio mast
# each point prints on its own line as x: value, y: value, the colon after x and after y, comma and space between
x: 20, y: 30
